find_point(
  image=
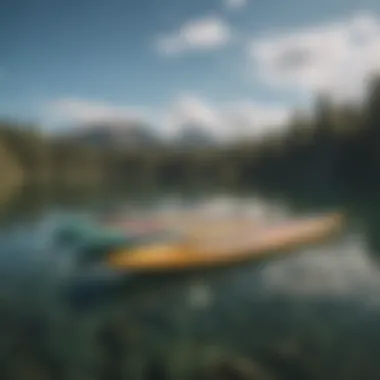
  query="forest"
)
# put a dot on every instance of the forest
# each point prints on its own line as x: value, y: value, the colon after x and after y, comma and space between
x: 335, y: 146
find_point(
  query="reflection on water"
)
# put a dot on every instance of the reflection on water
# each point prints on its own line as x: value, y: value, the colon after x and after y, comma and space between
x: 313, y: 314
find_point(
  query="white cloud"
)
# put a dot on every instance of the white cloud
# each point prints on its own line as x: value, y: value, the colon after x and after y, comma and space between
x: 81, y: 111
x: 201, y: 34
x: 235, y: 4
x: 334, y: 57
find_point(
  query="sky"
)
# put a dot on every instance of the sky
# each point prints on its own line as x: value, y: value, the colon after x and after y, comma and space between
x: 236, y: 67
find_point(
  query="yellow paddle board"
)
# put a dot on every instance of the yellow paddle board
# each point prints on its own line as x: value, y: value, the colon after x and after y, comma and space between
x: 226, y: 249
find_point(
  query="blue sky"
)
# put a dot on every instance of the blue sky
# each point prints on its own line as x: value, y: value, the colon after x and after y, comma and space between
x: 215, y: 62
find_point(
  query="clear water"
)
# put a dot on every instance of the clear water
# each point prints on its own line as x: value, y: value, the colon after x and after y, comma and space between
x: 311, y: 314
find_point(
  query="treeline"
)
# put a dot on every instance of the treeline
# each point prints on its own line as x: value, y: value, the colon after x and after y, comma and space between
x: 335, y: 146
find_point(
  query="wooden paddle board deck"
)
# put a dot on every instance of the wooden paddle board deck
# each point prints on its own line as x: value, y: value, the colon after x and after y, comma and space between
x: 226, y: 249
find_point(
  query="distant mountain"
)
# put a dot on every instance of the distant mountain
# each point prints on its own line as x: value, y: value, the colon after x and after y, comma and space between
x: 122, y: 135
x: 193, y: 135
x: 131, y: 135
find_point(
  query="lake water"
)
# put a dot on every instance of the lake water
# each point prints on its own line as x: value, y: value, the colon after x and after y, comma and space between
x: 312, y: 314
